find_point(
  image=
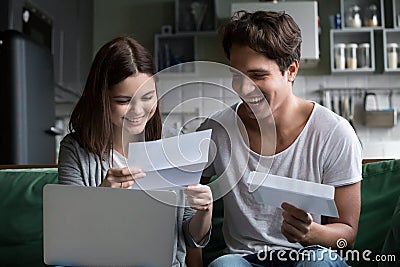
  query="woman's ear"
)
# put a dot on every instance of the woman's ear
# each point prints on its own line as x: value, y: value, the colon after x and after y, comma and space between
x: 292, y: 70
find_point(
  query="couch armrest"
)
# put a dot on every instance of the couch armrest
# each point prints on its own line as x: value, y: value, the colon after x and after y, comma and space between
x: 21, y: 209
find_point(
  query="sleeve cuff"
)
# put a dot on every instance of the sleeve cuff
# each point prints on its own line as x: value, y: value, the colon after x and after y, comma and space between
x: 189, y: 239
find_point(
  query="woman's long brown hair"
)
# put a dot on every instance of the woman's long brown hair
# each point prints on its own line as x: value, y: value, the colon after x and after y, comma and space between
x: 91, y: 118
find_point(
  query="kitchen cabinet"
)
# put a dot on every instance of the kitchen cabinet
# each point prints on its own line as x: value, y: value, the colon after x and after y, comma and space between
x: 71, y: 40
x: 351, y: 36
x: 193, y: 43
x: 172, y: 49
x: 391, y: 53
x: 305, y: 13
x: 194, y: 16
x: 195, y: 29
x: 396, y: 13
x: 363, y: 24
x: 362, y: 14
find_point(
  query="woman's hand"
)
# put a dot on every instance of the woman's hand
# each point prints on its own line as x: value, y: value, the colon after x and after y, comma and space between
x: 199, y: 197
x: 122, y: 177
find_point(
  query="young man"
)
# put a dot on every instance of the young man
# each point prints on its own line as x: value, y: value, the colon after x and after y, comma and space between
x: 274, y: 131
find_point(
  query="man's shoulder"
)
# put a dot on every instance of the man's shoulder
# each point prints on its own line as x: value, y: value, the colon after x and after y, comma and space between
x: 331, y: 126
x: 227, y: 113
x: 325, y: 117
x: 220, y: 117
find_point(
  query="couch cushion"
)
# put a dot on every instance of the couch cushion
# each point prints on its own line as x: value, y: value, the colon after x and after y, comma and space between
x: 21, y: 209
x: 380, y: 190
x: 392, y: 242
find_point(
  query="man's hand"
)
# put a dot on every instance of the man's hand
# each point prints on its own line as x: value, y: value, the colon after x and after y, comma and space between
x: 296, y: 223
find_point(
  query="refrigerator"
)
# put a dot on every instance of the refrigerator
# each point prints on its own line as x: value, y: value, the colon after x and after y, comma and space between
x: 26, y: 101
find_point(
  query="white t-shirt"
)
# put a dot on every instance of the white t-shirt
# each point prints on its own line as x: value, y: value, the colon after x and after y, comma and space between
x: 327, y: 151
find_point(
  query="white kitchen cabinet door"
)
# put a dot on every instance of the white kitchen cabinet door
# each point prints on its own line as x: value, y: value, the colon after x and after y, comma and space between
x: 305, y: 15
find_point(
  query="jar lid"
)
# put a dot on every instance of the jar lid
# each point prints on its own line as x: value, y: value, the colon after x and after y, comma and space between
x: 364, y: 45
x: 340, y: 45
x: 394, y: 45
x: 351, y: 45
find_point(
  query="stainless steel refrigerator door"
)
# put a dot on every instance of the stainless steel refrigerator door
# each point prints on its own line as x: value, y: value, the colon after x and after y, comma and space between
x: 26, y: 101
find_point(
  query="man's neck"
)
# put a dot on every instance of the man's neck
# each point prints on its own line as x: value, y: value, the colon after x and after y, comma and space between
x: 283, y: 126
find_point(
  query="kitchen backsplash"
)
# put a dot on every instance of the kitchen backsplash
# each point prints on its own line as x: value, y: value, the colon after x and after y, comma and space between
x: 307, y: 87
x: 377, y: 142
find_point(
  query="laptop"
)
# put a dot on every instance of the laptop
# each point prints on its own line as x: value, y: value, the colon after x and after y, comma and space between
x: 95, y: 226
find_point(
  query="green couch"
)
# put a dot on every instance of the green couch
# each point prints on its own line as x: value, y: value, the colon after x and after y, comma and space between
x: 21, y: 223
x: 379, y: 225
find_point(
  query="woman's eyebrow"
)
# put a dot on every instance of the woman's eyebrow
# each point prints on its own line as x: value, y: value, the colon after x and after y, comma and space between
x: 122, y: 96
x: 129, y: 97
x: 148, y: 93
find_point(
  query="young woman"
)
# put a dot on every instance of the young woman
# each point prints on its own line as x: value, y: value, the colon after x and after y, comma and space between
x: 93, y: 154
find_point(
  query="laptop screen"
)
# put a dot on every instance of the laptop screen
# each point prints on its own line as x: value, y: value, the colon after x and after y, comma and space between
x: 93, y: 226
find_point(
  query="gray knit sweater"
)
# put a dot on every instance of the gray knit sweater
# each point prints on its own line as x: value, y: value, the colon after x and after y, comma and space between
x: 78, y: 167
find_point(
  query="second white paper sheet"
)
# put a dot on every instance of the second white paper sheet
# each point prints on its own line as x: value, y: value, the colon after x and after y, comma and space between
x: 311, y: 197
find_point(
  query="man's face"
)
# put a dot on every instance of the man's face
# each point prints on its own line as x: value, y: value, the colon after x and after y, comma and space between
x: 264, y: 73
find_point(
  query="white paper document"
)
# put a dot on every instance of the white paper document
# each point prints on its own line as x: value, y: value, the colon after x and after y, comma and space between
x: 308, y: 196
x: 170, y: 162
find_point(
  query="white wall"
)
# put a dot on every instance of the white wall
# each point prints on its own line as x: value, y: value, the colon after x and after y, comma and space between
x: 377, y: 142
x: 143, y: 18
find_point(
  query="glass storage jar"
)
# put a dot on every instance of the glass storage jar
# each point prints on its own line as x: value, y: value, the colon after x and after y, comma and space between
x: 371, y: 16
x: 353, y: 17
x: 351, y: 56
x: 340, y: 59
x: 392, y: 55
x: 363, y: 55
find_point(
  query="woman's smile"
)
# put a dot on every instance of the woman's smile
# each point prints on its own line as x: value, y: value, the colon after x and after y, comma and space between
x: 136, y: 121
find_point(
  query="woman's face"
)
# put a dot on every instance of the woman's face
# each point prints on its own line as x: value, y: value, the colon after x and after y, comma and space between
x: 133, y: 103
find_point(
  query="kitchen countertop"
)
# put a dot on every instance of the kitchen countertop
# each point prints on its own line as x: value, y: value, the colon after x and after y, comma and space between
x: 381, y: 149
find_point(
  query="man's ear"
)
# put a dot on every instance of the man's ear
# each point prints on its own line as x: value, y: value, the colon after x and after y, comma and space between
x: 292, y: 70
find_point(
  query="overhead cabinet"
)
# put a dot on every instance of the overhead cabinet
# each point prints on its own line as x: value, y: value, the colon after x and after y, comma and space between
x: 363, y: 28
x: 391, y: 58
x: 66, y: 27
x: 173, y: 49
x: 352, y: 51
x: 194, y: 16
x: 362, y: 14
x: 305, y: 13
x: 396, y: 13
x: 195, y: 29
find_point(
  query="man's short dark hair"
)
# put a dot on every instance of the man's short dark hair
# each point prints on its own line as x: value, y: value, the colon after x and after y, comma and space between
x: 273, y: 34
